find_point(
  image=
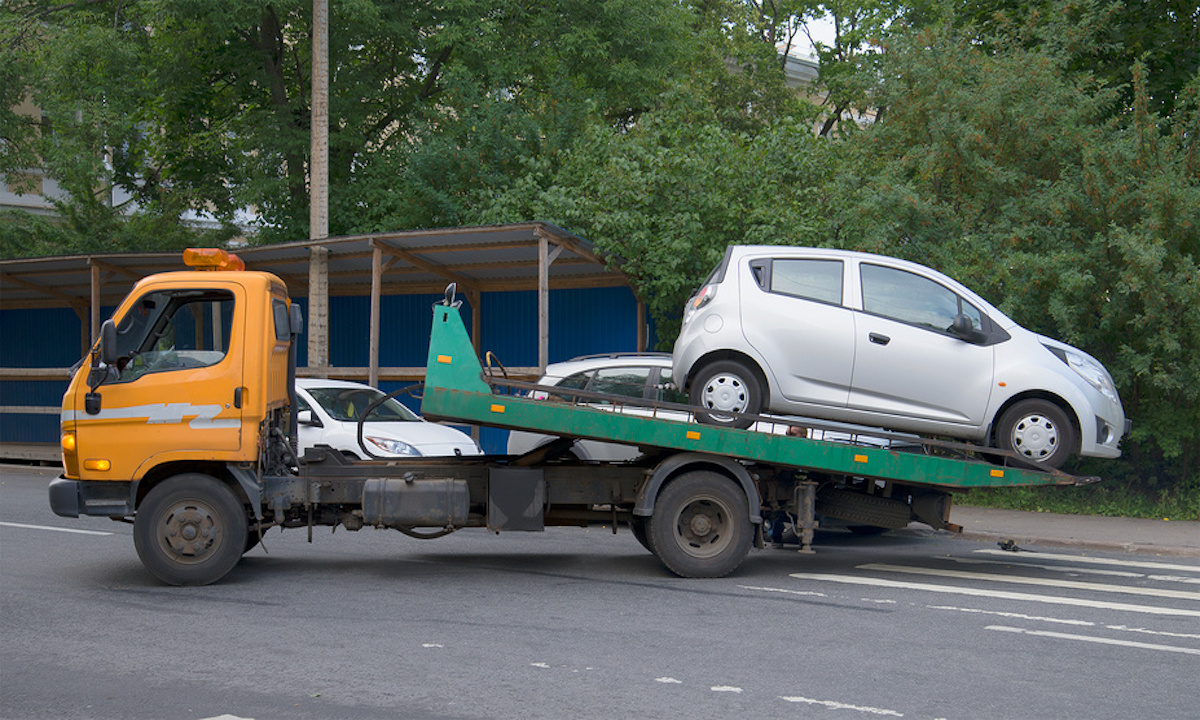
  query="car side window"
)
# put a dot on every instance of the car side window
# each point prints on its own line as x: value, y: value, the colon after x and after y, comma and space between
x: 910, y: 298
x: 819, y: 280
x: 174, y: 330
x: 576, y: 381
x: 626, y: 381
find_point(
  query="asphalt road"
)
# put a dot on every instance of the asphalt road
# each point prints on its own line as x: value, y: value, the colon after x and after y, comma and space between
x: 584, y: 623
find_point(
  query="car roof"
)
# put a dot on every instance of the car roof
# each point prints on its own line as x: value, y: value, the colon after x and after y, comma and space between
x: 326, y: 383
x: 589, y: 362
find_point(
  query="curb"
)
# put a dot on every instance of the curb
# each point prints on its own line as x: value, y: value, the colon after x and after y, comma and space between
x: 1080, y: 543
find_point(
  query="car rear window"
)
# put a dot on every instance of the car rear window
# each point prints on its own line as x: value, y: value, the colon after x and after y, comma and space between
x: 810, y: 279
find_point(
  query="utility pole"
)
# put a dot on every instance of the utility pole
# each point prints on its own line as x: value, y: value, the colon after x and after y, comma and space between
x: 318, y: 180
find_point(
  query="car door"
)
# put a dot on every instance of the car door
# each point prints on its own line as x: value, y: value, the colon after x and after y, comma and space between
x: 180, y: 378
x: 908, y: 362
x: 792, y: 314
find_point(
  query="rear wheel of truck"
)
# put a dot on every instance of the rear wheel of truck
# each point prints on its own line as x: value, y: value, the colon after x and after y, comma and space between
x: 701, y: 525
x: 190, y: 530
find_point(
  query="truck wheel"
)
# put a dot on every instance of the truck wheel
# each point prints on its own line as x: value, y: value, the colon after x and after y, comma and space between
x: 726, y: 386
x: 1037, y: 430
x: 190, y: 530
x: 701, y: 525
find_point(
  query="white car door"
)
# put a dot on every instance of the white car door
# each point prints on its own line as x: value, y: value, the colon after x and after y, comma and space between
x: 907, y: 362
x: 792, y: 314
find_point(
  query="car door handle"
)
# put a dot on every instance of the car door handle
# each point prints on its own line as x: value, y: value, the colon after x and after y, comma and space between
x: 879, y: 339
x: 237, y: 398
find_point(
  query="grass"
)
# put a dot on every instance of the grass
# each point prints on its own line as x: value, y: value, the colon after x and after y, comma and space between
x: 1099, y: 499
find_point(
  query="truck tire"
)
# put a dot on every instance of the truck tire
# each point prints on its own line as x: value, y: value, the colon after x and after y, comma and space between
x: 190, y: 530
x: 701, y: 525
x: 638, y: 527
x: 859, y: 509
x: 730, y: 386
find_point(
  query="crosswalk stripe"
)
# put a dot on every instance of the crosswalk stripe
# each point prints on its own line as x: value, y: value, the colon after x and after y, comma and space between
x: 1044, y: 582
x: 1091, y: 639
x: 997, y: 594
x: 1084, y: 560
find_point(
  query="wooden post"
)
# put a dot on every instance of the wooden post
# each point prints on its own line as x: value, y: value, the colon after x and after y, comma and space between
x: 318, y: 310
x: 543, y: 301
x: 641, y: 325
x: 376, y: 287
x: 95, y: 309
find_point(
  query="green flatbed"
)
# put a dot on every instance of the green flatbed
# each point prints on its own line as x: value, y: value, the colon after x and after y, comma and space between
x: 456, y: 389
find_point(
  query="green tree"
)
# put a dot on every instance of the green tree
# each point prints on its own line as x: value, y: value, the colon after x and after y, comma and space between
x: 1003, y: 166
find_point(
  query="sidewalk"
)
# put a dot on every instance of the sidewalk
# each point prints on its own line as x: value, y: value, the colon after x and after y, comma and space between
x: 1113, y: 534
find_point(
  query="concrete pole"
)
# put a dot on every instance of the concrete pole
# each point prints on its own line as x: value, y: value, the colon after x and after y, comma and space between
x: 318, y: 213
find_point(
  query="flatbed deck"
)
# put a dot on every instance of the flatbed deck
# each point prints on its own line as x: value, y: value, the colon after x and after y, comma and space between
x: 458, y: 390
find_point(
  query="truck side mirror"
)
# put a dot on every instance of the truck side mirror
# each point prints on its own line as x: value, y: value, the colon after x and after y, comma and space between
x: 306, y: 417
x: 108, y: 342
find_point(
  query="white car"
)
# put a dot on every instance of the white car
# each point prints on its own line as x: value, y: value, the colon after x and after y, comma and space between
x: 873, y: 340
x: 647, y: 377
x: 329, y: 411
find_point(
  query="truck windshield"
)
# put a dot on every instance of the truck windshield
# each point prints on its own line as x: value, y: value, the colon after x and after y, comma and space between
x: 348, y: 405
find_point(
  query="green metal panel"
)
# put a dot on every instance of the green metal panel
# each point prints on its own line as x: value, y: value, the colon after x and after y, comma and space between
x: 455, y: 390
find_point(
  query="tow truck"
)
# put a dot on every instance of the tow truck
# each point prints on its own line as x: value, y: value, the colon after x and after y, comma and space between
x: 181, y: 420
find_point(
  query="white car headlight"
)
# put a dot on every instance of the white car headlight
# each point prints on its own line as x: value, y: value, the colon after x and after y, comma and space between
x: 1095, y: 375
x: 395, y: 447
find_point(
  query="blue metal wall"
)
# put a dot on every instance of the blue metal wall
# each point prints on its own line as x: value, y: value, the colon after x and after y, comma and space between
x: 37, y: 338
x: 581, y: 322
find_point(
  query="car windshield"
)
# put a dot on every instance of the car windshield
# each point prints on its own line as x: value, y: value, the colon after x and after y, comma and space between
x: 348, y: 404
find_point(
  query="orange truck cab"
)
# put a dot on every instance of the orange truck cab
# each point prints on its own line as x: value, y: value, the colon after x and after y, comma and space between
x: 188, y: 376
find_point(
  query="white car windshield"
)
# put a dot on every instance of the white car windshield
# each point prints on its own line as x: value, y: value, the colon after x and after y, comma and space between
x: 348, y: 404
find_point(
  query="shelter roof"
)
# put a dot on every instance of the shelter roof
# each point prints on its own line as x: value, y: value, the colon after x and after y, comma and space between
x: 481, y: 259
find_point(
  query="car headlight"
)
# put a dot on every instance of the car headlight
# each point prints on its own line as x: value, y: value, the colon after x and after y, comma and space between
x: 395, y: 447
x: 1089, y: 370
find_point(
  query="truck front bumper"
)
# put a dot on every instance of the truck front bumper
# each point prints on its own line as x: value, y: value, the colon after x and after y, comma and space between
x: 72, y: 498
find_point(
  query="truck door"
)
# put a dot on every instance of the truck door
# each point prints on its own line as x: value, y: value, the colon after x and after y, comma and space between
x: 180, y: 381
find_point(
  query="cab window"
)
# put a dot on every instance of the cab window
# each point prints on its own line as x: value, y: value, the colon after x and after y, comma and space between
x: 174, y: 330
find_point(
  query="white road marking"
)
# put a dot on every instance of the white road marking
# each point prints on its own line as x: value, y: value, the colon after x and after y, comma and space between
x: 1054, y: 568
x: 1015, y: 616
x: 996, y: 594
x: 835, y: 705
x: 55, y: 529
x: 668, y: 681
x: 1080, y: 570
x: 1043, y: 582
x: 1164, y: 633
x: 1100, y: 640
x: 725, y: 688
x: 1094, y: 561
x: 432, y: 645
x: 782, y: 590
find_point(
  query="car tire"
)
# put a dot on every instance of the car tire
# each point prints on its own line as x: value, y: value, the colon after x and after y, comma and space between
x: 1038, y: 431
x: 727, y: 386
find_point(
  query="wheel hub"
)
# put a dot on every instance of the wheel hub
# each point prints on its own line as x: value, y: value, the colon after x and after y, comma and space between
x: 190, y: 531
x: 725, y: 392
x: 1035, y: 437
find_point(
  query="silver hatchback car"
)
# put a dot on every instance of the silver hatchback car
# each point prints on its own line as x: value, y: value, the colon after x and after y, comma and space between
x: 878, y: 341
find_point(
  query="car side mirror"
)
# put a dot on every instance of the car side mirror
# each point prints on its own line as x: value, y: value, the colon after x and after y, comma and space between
x: 965, y: 329
x: 306, y: 417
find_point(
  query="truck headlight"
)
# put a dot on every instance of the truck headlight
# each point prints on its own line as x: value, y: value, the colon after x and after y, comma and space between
x: 395, y: 447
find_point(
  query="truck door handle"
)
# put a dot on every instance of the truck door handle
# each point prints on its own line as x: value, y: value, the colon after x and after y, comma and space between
x: 879, y: 339
x: 237, y: 398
